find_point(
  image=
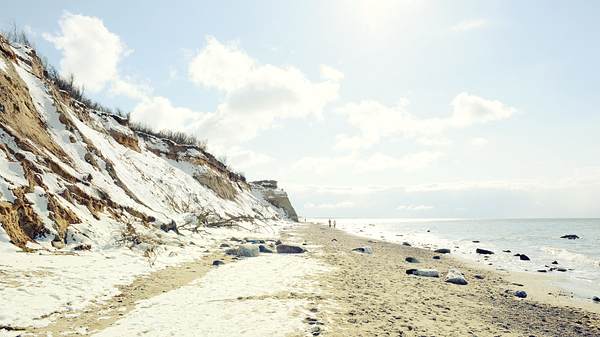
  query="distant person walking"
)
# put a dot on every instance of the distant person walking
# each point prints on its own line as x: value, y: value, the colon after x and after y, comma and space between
x: 329, y: 223
x: 334, y: 223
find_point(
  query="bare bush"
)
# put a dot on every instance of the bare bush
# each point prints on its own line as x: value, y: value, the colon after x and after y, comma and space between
x: 177, y: 137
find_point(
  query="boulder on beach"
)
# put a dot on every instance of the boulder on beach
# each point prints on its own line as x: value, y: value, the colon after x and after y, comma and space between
x: 217, y: 263
x: 442, y: 251
x: 524, y: 257
x: 596, y: 299
x: 255, y: 241
x: 364, y: 250
x: 289, y: 249
x: 454, y: 276
x: 406, y: 244
x: 423, y: 272
x: 437, y: 257
x: 479, y: 277
x: 520, y: 294
x: 554, y: 262
x: 483, y: 251
x: 411, y: 259
x: 570, y: 237
x: 264, y: 249
x: 506, y: 251
x: 248, y: 250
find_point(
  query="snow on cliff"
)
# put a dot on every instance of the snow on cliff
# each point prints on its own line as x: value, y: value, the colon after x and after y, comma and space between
x: 96, y: 203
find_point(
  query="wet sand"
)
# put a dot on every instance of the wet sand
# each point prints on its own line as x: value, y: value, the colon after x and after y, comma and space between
x: 371, y: 295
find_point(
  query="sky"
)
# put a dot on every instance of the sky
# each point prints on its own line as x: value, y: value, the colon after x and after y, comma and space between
x: 424, y: 109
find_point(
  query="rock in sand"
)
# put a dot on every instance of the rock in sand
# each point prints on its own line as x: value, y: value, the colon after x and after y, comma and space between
x: 411, y: 259
x: 442, y: 251
x: 264, y: 249
x: 364, y: 250
x: 483, y: 251
x: 520, y: 294
x: 454, y: 276
x: 247, y: 251
x: 423, y: 272
x: 596, y: 299
x: 217, y: 263
x: 289, y: 249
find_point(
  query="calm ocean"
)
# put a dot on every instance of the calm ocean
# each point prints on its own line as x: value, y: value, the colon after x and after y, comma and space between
x: 539, y: 239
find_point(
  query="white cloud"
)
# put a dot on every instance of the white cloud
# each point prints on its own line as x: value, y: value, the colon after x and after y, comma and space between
x: 414, y: 207
x: 373, y: 163
x: 376, y: 121
x: 479, y: 142
x: 130, y: 88
x: 469, y: 25
x: 89, y: 50
x: 161, y: 114
x: 242, y: 159
x: 256, y: 96
x: 329, y: 73
x: 337, y: 205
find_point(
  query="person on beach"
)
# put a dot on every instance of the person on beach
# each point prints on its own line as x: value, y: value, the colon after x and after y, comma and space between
x: 329, y: 223
x: 334, y: 223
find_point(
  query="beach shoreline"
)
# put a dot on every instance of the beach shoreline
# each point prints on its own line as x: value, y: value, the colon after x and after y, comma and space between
x: 371, y: 294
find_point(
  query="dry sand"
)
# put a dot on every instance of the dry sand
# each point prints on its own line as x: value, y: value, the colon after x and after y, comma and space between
x: 371, y: 295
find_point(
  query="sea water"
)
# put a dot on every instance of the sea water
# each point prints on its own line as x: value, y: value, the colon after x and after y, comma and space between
x: 539, y: 239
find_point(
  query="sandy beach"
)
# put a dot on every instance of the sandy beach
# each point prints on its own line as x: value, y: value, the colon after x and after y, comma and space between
x: 371, y: 295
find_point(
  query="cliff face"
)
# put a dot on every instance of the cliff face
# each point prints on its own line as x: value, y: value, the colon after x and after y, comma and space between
x: 268, y: 190
x: 68, y: 172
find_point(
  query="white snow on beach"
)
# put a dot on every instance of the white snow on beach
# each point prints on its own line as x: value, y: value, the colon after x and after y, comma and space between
x: 246, y: 298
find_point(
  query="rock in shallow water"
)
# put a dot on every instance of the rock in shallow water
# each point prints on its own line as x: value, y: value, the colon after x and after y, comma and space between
x: 364, y: 250
x: 570, y: 237
x: 454, y: 276
x: 289, y: 249
x: 423, y: 272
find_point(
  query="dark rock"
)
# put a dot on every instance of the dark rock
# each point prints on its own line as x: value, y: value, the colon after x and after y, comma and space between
x: 255, y: 241
x: 218, y: 263
x: 334, y: 240
x: 524, y: 257
x: 437, y: 257
x: 596, y: 299
x: 289, y: 249
x: 476, y: 241
x: 224, y: 245
x: 82, y: 247
x: 278, y: 242
x: 520, y: 294
x: 406, y: 244
x: 454, y: 276
x: 231, y: 251
x: 264, y: 249
x: 479, y: 277
x: 364, y: 250
x: 507, y: 251
x: 172, y: 226
x: 570, y: 237
x: 234, y: 239
x: 542, y: 271
x: 554, y: 262
x: 442, y: 251
x: 411, y: 259
x: 483, y: 251
x: 423, y: 272
x: 561, y: 269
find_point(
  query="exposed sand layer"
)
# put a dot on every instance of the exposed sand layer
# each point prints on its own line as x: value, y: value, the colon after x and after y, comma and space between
x: 371, y: 295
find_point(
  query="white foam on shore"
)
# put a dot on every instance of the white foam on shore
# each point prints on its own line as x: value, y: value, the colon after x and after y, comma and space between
x: 245, y: 298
